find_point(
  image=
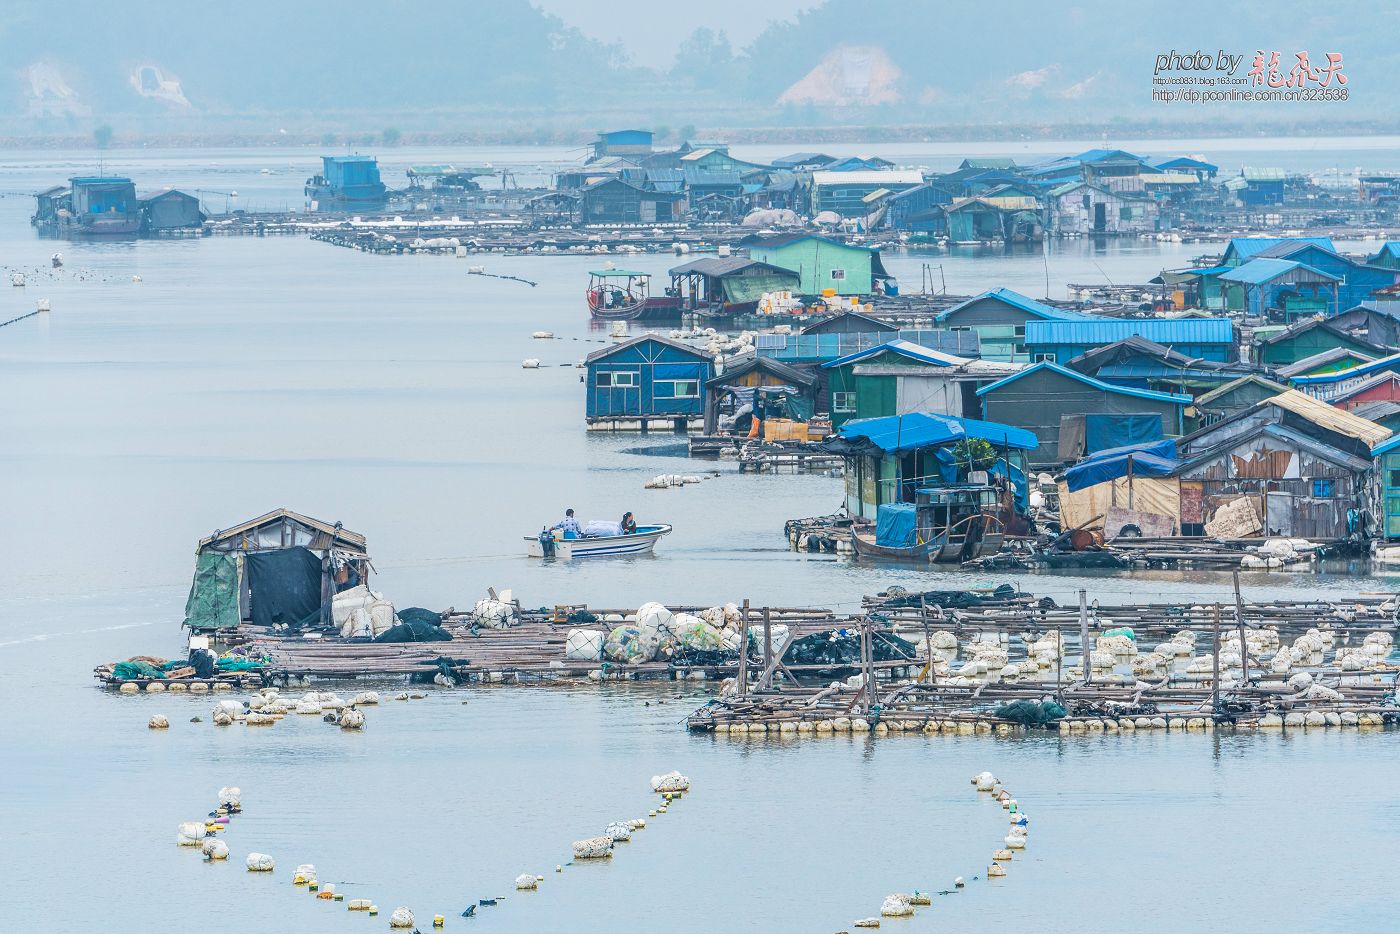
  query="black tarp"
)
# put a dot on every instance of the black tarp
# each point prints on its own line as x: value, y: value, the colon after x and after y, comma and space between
x: 284, y: 587
x: 414, y: 630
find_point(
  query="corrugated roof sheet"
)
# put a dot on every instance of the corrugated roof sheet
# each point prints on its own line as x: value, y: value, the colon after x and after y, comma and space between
x: 1091, y: 382
x: 1259, y: 271
x: 869, y: 177
x: 331, y: 533
x: 1230, y: 387
x: 1245, y: 247
x: 1029, y: 305
x: 1329, y: 417
x: 1169, y: 331
x: 917, y: 430
x: 903, y: 348
x: 1329, y: 355
x: 1253, y: 174
x: 723, y: 266
x: 1391, y: 362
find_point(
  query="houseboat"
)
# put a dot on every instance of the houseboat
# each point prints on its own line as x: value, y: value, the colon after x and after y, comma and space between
x: 625, y: 295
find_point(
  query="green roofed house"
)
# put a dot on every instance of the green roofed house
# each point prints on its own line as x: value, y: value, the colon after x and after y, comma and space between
x: 281, y: 569
x: 823, y: 265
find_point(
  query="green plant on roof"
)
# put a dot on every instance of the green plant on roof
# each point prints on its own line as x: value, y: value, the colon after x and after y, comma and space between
x: 975, y: 454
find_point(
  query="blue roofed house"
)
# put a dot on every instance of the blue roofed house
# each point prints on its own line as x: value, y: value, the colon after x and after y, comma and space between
x: 1000, y: 318
x: 346, y: 183
x: 1073, y: 414
x: 1061, y: 340
x: 1280, y: 288
x: 845, y: 191
x: 916, y: 210
x: 1256, y: 187
x: 1357, y: 281
x: 648, y: 380
x: 622, y: 143
x: 1388, y: 256
x: 1204, y: 171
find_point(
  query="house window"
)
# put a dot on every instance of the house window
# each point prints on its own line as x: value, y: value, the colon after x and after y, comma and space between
x: 676, y: 389
x: 838, y: 274
x: 843, y: 402
x: 1395, y: 478
x: 614, y: 378
x: 1322, y: 488
x: 1019, y: 330
x: 1044, y: 358
x: 1125, y: 213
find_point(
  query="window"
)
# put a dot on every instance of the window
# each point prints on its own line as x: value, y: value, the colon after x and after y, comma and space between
x: 838, y: 274
x: 1019, y: 330
x: 1125, y: 213
x: 1044, y: 358
x: 676, y: 389
x: 1322, y: 488
x: 607, y: 378
x: 843, y: 402
x: 1395, y: 478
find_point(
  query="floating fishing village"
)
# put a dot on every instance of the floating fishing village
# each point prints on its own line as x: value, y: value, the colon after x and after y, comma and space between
x: 625, y: 526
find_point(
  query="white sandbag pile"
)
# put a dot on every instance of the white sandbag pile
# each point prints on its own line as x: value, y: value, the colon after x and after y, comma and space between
x: 593, y: 848
x: 654, y: 631
x: 364, y: 698
x: 190, y: 833
x: 584, y: 645
x: 898, y: 905
x: 495, y: 613
x: 668, y: 480
x: 158, y: 721
x: 351, y: 719
x: 260, y: 862
x: 362, y: 613
x: 619, y: 831
x: 670, y: 783
x: 525, y: 882
x: 214, y: 848
x: 401, y: 918
x: 231, y: 796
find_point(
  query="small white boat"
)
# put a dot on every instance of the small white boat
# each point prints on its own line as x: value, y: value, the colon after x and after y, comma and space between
x: 641, y: 542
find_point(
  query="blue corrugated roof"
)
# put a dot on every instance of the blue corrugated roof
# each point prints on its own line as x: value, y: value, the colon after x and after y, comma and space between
x: 1385, y: 447
x: 1245, y: 247
x: 1181, y: 161
x: 1090, y: 381
x: 903, y: 348
x: 1259, y: 271
x: 1030, y: 305
x: 1097, y: 331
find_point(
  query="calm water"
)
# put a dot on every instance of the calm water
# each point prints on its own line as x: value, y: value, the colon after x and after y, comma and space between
x: 241, y: 374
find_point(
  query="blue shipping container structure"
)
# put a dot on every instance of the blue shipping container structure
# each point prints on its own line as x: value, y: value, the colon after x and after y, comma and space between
x: 646, y: 379
x: 1062, y: 341
x: 347, y: 183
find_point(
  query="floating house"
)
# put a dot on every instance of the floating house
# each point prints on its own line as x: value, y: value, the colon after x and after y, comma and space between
x: 811, y: 348
x: 919, y: 210
x: 1008, y: 218
x: 851, y: 322
x: 1054, y: 402
x: 170, y: 210
x: 800, y: 161
x: 1304, y: 466
x: 891, y: 460
x: 1143, y: 364
x: 1326, y: 361
x: 279, y: 569
x: 1378, y: 388
x: 1084, y: 208
x: 900, y: 377
x: 1203, y: 171
x: 1387, y: 459
x: 346, y: 183
x: 629, y: 143
x: 97, y: 206
x: 1329, y: 386
x: 845, y: 191
x: 647, y: 381
x: 1258, y: 187
x: 728, y: 285
x: 999, y: 319
x: 614, y: 201
x: 824, y: 266
x: 1064, y: 339
x: 1280, y: 288
x: 763, y: 388
x: 1307, y: 339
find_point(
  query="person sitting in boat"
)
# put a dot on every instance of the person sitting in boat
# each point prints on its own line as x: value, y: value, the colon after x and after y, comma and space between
x: 628, y: 524
x: 568, y: 524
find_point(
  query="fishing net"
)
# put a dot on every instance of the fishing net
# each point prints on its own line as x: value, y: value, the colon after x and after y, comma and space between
x: 1029, y: 712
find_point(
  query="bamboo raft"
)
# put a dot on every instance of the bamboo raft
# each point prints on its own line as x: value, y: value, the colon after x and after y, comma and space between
x: 1092, y: 701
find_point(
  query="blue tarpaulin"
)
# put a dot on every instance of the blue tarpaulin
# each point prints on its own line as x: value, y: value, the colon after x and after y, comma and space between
x: 1148, y: 460
x: 1018, y: 480
x: 1103, y: 431
x: 894, y: 525
x: 916, y: 430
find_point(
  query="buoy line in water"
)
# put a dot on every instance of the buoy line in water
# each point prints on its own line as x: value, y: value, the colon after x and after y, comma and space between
x: 902, y: 905
x: 671, y: 787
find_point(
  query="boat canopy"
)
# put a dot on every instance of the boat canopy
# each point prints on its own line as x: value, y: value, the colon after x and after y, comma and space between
x: 892, y: 433
x: 619, y: 274
x: 1157, y: 459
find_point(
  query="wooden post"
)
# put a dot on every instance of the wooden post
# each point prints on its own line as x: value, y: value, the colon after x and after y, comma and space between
x: 766, y: 681
x: 744, y: 649
x: 1084, y: 636
x: 928, y: 645
x: 1239, y: 621
x: 1215, y: 667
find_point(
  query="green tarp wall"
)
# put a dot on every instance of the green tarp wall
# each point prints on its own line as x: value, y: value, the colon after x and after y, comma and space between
x: 213, y: 601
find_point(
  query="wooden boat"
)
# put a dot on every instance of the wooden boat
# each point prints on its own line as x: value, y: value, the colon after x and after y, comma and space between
x: 625, y: 295
x: 642, y: 541
x: 953, y: 524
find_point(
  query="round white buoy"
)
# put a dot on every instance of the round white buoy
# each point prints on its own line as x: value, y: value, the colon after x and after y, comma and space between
x: 532, y: 363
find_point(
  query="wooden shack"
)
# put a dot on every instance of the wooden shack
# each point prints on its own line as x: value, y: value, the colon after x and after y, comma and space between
x: 170, y: 210
x: 648, y: 380
x: 279, y: 569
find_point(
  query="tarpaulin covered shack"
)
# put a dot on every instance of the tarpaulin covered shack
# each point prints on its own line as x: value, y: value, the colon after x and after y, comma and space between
x: 1124, y: 488
x: 281, y: 568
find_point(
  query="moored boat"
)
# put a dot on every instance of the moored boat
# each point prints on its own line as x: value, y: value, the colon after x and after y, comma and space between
x: 625, y: 295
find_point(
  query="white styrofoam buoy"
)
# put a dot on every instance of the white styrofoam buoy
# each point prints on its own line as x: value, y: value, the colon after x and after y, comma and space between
x: 533, y: 363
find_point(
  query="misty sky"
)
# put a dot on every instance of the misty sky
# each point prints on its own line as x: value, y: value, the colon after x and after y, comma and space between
x: 651, y: 30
